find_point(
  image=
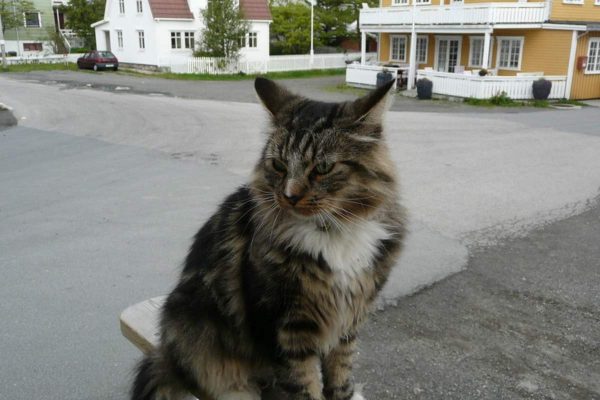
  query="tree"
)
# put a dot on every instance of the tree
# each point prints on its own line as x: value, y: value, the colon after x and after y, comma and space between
x: 11, y: 13
x: 290, y: 30
x: 224, y: 29
x: 80, y: 15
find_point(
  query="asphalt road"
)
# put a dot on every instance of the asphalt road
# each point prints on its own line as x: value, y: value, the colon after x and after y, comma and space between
x: 103, y: 188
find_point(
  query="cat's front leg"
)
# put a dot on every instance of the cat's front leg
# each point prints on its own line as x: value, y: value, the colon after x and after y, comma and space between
x: 299, y: 370
x: 337, y: 371
x: 300, y: 379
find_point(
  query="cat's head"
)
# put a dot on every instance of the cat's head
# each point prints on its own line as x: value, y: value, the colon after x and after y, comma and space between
x: 323, y: 160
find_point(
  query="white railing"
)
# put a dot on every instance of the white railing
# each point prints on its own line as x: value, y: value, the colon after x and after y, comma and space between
x: 467, y: 14
x: 484, y: 87
x: 210, y: 65
x: 366, y: 75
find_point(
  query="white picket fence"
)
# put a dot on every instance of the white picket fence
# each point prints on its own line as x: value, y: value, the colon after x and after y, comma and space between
x: 211, y: 65
x: 484, y: 87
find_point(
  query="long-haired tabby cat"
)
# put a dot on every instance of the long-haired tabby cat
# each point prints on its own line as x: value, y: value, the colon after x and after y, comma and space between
x: 279, y: 279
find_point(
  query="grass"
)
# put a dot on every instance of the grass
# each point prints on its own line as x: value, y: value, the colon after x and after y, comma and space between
x: 184, y: 77
x: 238, y: 77
x: 39, y: 67
x: 344, y: 88
x: 502, y: 100
x: 271, y: 75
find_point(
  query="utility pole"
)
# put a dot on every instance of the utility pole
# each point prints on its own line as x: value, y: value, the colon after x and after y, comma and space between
x: 2, y: 44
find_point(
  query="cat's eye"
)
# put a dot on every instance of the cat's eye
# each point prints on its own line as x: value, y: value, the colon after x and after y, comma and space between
x: 278, y: 166
x: 323, y: 168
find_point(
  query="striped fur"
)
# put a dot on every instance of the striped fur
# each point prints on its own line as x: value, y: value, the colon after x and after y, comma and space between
x: 279, y: 279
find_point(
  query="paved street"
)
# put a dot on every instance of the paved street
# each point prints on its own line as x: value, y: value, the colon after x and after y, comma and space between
x: 103, y: 189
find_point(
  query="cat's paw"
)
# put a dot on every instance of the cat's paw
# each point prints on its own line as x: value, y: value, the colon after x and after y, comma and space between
x: 357, y: 396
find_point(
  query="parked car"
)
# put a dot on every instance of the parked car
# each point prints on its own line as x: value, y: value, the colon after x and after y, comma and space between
x: 98, y: 60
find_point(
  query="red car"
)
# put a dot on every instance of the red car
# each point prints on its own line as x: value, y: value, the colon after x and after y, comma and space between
x: 98, y: 60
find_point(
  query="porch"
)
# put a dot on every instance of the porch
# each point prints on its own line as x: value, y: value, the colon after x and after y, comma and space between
x: 458, y: 13
x: 484, y: 87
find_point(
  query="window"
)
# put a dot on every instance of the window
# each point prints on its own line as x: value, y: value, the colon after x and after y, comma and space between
x: 593, y: 64
x: 422, y: 43
x: 120, y: 39
x: 141, y: 40
x: 253, y: 39
x: 139, y: 7
x: 597, y: 2
x: 189, y: 40
x: 573, y: 1
x: 33, y: 20
x: 476, y: 52
x: 510, y: 52
x: 175, y: 40
x: 242, y: 41
x: 32, y: 47
x: 398, y: 48
x: 122, y: 6
x: 399, y: 2
x: 421, y: 2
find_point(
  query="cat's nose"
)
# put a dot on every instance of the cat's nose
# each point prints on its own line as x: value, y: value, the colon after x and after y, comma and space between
x: 293, y: 198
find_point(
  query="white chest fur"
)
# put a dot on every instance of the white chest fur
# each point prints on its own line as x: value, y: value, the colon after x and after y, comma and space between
x: 346, y: 251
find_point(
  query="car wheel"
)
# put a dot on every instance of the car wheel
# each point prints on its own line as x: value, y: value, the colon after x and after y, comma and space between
x: 115, y: 68
x: 95, y: 67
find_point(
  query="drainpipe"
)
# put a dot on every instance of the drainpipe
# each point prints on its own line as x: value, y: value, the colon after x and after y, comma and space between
x: 571, y: 68
x: 2, y: 42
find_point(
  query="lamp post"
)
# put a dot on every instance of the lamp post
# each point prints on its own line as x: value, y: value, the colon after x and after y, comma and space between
x: 312, y: 17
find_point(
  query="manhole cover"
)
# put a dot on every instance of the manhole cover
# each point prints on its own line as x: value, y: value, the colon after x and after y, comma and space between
x: 565, y: 106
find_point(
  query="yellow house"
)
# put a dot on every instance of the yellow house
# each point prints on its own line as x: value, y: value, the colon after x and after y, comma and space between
x: 514, y: 41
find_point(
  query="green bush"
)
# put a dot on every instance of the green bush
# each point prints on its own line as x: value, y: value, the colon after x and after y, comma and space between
x: 79, y: 50
x: 502, y: 99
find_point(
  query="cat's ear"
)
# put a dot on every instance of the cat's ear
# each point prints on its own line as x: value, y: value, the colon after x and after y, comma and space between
x: 273, y: 96
x: 371, y: 107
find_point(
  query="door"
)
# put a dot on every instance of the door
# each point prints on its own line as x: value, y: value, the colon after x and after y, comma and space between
x: 447, y: 53
x: 107, y: 39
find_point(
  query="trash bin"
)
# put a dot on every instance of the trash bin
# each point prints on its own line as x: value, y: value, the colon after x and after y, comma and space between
x: 383, y: 77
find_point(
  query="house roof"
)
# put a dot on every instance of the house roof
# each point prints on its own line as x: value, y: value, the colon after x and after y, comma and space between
x: 170, y: 9
x: 256, y: 10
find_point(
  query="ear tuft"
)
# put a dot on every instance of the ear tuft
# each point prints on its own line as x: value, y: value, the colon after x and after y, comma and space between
x: 371, y: 107
x: 272, y: 95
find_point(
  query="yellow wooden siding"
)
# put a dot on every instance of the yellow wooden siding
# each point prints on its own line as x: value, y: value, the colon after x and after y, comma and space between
x: 544, y: 51
x: 585, y: 86
x: 587, y: 11
x: 384, y: 47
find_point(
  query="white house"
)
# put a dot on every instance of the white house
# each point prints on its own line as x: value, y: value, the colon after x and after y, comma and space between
x: 163, y: 33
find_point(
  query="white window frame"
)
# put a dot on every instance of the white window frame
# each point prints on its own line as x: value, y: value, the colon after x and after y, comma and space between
x: 122, y: 7
x: 405, y: 37
x: 36, y: 43
x: 177, y: 35
x: 438, y: 38
x: 597, y: 58
x: 120, y: 41
x: 187, y: 35
x: 39, y: 15
x: 252, y: 39
x: 141, y: 40
x: 426, y: 39
x: 399, y: 3
x: 139, y: 6
x: 471, y: 40
x: 573, y: 1
x: 499, y: 40
x: 422, y: 2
